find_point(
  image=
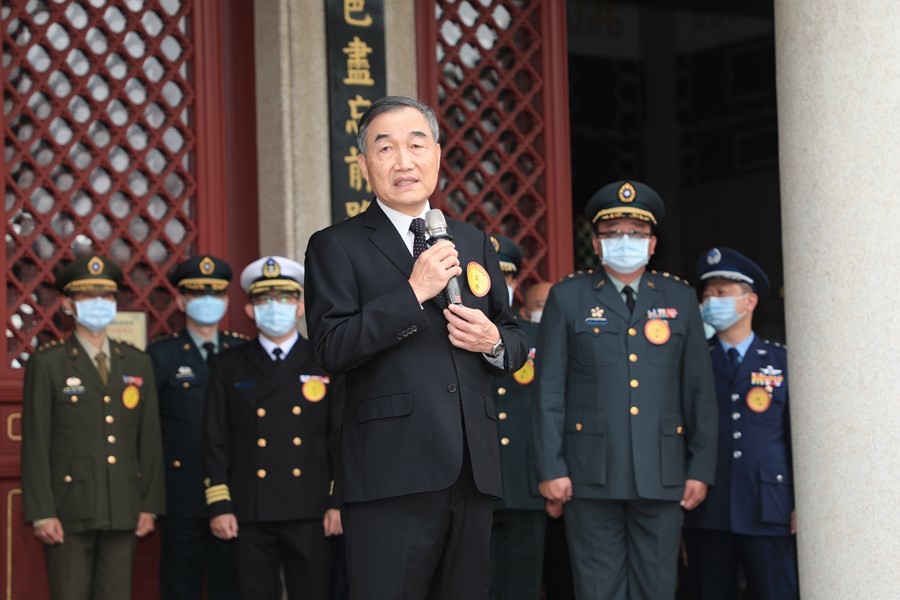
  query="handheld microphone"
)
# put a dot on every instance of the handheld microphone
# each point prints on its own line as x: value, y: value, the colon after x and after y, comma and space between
x: 436, y: 224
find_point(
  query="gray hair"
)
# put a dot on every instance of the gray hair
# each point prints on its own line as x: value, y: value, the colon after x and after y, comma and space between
x: 387, y: 104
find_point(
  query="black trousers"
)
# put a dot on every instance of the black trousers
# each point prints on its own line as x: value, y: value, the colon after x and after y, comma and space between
x: 190, y: 554
x: 432, y: 546
x: 94, y: 565
x: 517, y: 554
x: 715, y: 559
x: 298, y: 547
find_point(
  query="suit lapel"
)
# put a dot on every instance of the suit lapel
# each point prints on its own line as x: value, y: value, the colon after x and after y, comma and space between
x: 82, y: 363
x: 384, y: 236
x: 608, y: 296
x: 116, y: 363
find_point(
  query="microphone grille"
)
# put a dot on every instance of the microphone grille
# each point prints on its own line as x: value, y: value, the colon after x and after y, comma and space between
x: 434, y: 219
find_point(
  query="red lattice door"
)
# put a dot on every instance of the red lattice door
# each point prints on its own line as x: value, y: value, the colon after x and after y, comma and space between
x: 112, y: 145
x: 495, y: 71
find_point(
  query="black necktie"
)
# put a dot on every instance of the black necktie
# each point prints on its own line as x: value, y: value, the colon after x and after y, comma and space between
x: 418, y: 228
x: 277, y: 352
x: 210, y: 349
x: 629, y: 298
x: 734, y: 359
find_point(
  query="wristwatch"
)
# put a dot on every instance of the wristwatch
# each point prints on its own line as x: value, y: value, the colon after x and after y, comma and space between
x: 498, y: 349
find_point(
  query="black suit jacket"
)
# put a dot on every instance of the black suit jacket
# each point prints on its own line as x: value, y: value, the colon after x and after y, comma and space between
x: 410, y: 393
x: 270, y: 435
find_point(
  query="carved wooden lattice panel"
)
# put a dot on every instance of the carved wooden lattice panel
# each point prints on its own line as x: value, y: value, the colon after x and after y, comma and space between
x: 98, y: 152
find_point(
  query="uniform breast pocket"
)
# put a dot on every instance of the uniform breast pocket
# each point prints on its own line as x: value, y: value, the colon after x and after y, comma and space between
x: 665, y: 349
x: 596, y: 344
x: 671, y: 449
x: 585, y: 448
x: 775, y: 493
x: 73, y: 490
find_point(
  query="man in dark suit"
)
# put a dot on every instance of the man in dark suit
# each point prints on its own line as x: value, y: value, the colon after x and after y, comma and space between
x: 625, y: 419
x: 189, y: 553
x: 272, y: 423
x: 92, y: 473
x: 419, y: 454
x: 747, y: 520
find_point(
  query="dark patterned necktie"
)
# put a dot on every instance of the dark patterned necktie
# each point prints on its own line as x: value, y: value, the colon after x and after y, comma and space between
x: 277, y: 352
x: 210, y: 349
x: 629, y: 298
x: 734, y: 360
x: 418, y: 228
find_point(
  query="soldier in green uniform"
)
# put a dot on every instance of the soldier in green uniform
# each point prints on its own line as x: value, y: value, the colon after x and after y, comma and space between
x: 92, y: 472
x: 625, y: 422
x: 517, y: 529
x: 189, y: 553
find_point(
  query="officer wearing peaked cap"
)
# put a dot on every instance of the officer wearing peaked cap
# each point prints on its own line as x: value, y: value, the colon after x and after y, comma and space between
x: 190, y: 554
x: 747, y: 520
x: 272, y: 421
x: 625, y: 417
x: 90, y: 431
x: 509, y: 256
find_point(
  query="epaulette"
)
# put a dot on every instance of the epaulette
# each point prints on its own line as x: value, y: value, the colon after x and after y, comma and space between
x: 125, y: 343
x: 668, y: 275
x: 164, y: 336
x: 50, y: 344
x: 577, y: 274
x: 776, y: 344
x: 239, y: 336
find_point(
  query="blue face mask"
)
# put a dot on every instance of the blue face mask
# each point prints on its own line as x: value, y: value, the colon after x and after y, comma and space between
x: 95, y: 313
x: 275, y: 319
x: 625, y: 255
x: 721, y: 311
x: 206, y: 310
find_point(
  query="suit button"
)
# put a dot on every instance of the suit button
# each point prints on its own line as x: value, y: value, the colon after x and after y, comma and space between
x: 405, y: 333
x: 110, y: 419
x: 296, y: 410
x: 451, y: 388
x: 632, y: 357
x: 74, y: 399
x: 296, y: 472
x: 297, y: 441
x: 111, y: 459
x: 504, y: 441
x: 111, y: 439
x: 261, y: 473
x: 67, y: 479
x: 735, y: 397
x: 414, y: 328
x: 260, y: 412
x: 737, y: 454
x: 106, y: 399
x: 186, y: 385
x: 261, y: 442
x: 634, y: 410
x: 632, y: 331
x: 736, y: 435
x: 399, y: 336
x: 735, y: 416
x: 502, y: 416
x: 176, y: 463
x: 578, y: 426
x: 501, y: 391
x: 635, y: 383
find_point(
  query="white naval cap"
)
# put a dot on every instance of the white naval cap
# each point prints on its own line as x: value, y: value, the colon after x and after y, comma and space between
x: 272, y: 273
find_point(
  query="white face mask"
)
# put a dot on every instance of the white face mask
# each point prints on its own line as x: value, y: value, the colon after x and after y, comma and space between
x: 625, y: 255
x: 95, y: 313
x: 721, y: 311
x: 275, y: 319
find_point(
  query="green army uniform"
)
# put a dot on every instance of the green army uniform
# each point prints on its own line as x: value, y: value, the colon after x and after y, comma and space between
x: 92, y: 458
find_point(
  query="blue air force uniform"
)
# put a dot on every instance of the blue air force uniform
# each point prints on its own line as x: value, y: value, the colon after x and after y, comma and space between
x: 746, y: 517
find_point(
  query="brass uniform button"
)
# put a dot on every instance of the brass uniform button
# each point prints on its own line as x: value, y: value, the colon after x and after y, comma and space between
x: 261, y: 473
x: 296, y: 472
x: 501, y: 391
x: 596, y: 330
x: 679, y: 429
x: 578, y: 426
x: 634, y: 383
x: 176, y: 463
x: 106, y: 399
x: 296, y: 410
x: 632, y: 331
x: 260, y: 412
x: 111, y: 439
x: 504, y: 441
x: 74, y: 399
x: 67, y: 479
x: 261, y: 442
x: 634, y: 410
x: 632, y: 357
x: 502, y: 416
x: 297, y: 441
x: 111, y: 459
x: 185, y: 385
x: 110, y: 419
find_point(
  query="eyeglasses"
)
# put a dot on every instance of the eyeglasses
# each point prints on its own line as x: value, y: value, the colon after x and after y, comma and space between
x: 77, y: 296
x: 206, y: 292
x: 617, y: 233
x: 285, y: 298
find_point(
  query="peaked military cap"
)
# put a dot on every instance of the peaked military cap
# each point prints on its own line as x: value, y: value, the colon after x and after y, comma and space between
x: 508, y: 252
x: 201, y: 272
x: 626, y: 200
x: 91, y: 273
x: 272, y: 273
x: 726, y: 263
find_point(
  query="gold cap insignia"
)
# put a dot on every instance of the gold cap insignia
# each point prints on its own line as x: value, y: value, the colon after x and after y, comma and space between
x: 627, y: 193
x: 95, y: 265
x: 207, y: 266
x: 271, y: 269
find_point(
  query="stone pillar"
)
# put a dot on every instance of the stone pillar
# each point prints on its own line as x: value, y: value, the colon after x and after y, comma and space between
x: 838, y: 77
